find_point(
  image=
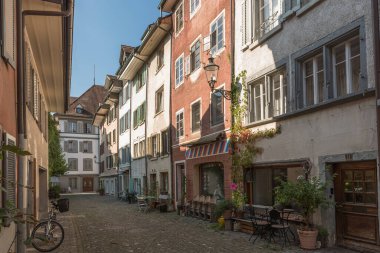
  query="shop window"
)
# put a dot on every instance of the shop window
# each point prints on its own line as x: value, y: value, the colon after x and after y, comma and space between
x: 212, y: 180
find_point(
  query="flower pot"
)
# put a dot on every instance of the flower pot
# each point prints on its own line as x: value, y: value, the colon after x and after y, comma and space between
x: 308, y: 238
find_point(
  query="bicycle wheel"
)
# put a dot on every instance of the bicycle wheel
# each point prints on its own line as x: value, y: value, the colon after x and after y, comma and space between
x: 46, y: 239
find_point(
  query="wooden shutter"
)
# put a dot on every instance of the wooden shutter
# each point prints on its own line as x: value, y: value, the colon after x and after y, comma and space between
x: 80, y: 127
x: 256, y: 24
x: 81, y: 144
x: 75, y: 146
x: 9, y: 31
x: 149, y: 150
x: 10, y: 170
x: 89, y: 143
x: 246, y: 23
x: 206, y: 43
x: 66, y: 146
x: 159, y: 149
x: 65, y: 126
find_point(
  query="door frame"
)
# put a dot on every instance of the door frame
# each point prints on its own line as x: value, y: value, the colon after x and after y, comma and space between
x: 92, y: 185
x: 357, y: 244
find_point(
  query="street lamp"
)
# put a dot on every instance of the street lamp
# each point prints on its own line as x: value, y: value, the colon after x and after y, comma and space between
x: 211, y: 70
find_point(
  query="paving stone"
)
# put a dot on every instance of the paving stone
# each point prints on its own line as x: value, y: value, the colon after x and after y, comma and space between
x: 104, y: 224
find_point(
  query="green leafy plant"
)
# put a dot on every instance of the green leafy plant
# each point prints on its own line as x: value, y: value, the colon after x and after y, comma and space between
x: 57, y: 162
x: 222, y: 206
x: 307, y: 195
x: 238, y: 197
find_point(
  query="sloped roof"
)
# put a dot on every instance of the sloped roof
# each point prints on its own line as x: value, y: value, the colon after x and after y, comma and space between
x: 89, y: 101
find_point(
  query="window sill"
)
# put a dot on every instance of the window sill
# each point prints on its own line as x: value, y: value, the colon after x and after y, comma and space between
x: 164, y: 156
x: 217, y: 125
x: 158, y: 113
x: 219, y: 52
x: 321, y: 106
x: 178, y: 85
x: 307, y: 7
x: 158, y: 69
x: 154, y: 158
x: 265, y: 37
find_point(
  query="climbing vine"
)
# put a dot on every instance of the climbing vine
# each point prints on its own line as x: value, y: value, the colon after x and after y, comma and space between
x: 243, y: 139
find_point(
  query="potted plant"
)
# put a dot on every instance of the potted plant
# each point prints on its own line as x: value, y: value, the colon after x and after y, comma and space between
x: 307, y: 196
x: 101, y: 191
x: 223, y: 209
x: 238, y: 199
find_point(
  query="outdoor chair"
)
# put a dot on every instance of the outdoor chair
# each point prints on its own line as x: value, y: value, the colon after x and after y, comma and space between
x: 278, y: 226
x: 142, y: 204
x: 260, y: 224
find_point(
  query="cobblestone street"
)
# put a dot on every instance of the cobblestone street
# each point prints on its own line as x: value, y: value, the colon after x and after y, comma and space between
x: 103, y: 224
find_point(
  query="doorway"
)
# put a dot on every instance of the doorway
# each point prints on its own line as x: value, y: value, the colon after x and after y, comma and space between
x: 88, y: 184
x: 357, y: 222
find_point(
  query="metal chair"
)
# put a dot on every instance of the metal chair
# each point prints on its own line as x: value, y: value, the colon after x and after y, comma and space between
x: 260, y: 224
x: 278, y: 226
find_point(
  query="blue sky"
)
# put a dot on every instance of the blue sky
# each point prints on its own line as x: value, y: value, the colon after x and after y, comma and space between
x: 100, y: 27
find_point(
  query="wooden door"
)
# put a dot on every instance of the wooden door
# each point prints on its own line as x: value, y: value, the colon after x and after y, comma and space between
x: 356, y: 204
x: 88, y: 184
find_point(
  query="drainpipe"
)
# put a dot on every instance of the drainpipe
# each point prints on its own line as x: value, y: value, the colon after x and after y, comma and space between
x: 232, y: 20
x: 21, y: 114
x: 146, y: 137
x: 376, y: 49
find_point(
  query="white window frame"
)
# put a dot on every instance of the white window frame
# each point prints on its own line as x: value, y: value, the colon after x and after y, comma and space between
x: 272, y: 25
x: 183, y: 123
x: 224, y: 107
x: 156, y: 109
x: 200, y: 54
x: 316, y: 94
x: 180, y: 82
x: 200, y: 115
x: 348, y: 66
x: 218, y: 50
x: 180, y: 5
x: 195, y: 10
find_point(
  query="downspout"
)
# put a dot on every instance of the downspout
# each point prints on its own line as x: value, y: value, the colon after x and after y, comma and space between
x: 21, y: 114
x: 146, y: 131
x: 232, y: 20
x: 376, y: 49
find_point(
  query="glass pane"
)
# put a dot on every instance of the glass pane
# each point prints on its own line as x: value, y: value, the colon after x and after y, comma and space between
x: 355, y: 47
x: 309, y: 91
x: 355, y: 71
x: 359, y: 187
x: 359, y: 198
x: 347, y: 175
x: 340, y: 54
x: 308, y: 68
x: 370, y: 175
x: 370, y: 187
x: 358, y: 175
x: 319, y: 63
x: 321, y: 81
x: 347, y: 186
x: 349, y: 197
x: 341, y: 85
x: 370, y: 198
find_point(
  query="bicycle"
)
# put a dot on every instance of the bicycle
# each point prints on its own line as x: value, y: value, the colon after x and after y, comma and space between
x: 49, y: 234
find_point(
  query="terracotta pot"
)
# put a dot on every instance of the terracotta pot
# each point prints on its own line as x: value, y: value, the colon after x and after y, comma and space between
x: 308, y: 238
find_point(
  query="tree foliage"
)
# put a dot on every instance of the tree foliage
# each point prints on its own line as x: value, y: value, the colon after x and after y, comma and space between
x: 57, y: 162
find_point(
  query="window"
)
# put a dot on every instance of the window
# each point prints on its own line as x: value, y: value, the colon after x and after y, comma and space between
x: 109, y: 161
x: 71, y: 146
x: 313, y: 80
x: 109, y: 139
x: 79, y: 109
x: 260, y: 182
x: 179, y: 71
x: 73, y: 183
x: 346, y: 67
x: 180, y: 124
x: 127, y: 118
x: 122, y: 125
x: 135, y: 150
x: 142, y: 148
x: 194, y: 6
x: 125, y: 95
x: 160, y: 100
x: 139, y: 115
x: 217, y: 34
x: 195, y: 56
x: 155, y: 139
x: 87, y: 128
x: 72, y: 164
x: 114, y: 136
x: 140, y: 78
x: 196, y: 116
x: 160, y: 57
x: 164, y: 184
x: 179, y: 19
x: 305, y: 2
x: 85, y: 146
x: 269, y: 12
x: 165, y: 142
x: 87, y: 164
x: 217, y: 108
x: 268, y: 96
x: 211, y: 180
